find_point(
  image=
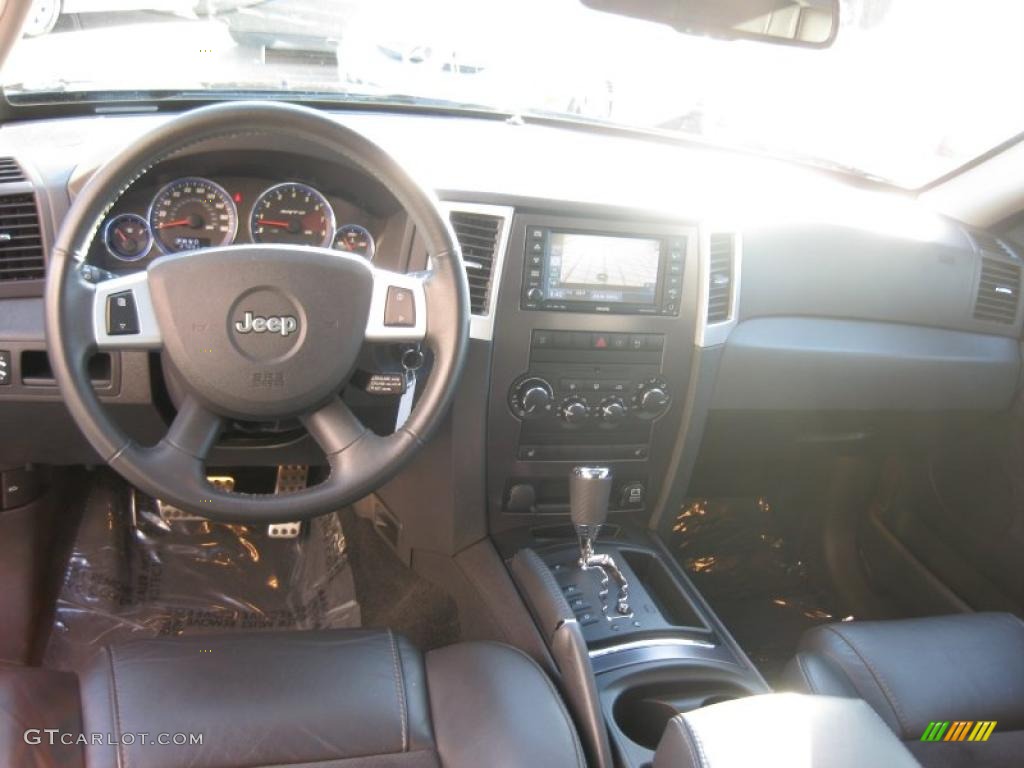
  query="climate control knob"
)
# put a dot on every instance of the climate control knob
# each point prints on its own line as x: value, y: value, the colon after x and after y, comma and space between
x: 531, y: 397
x: 651, y: 399
x: 575, y: 411
x: 654, y: 400
x: 613, y: 410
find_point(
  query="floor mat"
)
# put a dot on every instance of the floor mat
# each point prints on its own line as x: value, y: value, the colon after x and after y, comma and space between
x: 747, y: 563
x: 189, y: 577
x: 392, y: 595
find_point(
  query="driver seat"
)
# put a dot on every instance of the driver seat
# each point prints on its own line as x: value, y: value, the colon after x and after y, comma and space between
x: 333, y: 699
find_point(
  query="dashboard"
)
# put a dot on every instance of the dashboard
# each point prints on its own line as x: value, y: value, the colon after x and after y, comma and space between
x: 616, y: 304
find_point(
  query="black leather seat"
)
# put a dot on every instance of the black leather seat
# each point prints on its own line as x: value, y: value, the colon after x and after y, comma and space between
x: 966, y: 668
x: 333, y: 699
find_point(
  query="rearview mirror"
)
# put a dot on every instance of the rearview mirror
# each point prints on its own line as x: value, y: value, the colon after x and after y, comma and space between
x: 808, y: 23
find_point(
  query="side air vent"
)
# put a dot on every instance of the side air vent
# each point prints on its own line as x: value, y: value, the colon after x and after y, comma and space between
x: 478, y: 237
x: 21, y: 245
x: 990, y: 244
x: 10, y: 170
x: 998, y: 291
x: 720, y: 277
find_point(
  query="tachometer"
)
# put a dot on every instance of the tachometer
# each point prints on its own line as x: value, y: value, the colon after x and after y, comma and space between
x: 192, y: 213
x: 354, y: 239
x: 127, y: 237
x: 294, y: 214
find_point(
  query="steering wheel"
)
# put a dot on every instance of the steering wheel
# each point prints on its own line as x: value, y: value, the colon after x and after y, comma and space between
x: 256, y: 332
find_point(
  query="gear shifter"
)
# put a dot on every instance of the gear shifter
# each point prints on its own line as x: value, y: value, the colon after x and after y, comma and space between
x: 589, y: 491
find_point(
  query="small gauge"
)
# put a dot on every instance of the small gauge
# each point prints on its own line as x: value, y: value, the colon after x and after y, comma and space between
x: 127, y: 237
x: 354, y: 239
x: 292, y: 214
x: 192, y: 213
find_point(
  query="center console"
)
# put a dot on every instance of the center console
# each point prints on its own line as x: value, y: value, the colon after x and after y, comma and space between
x: 616, y: 604
x: 593, y: 332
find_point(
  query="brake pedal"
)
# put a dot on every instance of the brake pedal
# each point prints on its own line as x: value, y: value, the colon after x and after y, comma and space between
x: 291, y: 478
x: 171, y: 514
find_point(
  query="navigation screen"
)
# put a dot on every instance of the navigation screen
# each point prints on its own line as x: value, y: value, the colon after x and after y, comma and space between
x: 599, y: 268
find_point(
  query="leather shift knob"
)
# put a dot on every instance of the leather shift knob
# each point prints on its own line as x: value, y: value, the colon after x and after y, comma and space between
x: 589, y: 491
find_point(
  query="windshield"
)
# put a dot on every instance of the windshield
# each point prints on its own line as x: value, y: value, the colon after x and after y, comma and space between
x: 911, y: 89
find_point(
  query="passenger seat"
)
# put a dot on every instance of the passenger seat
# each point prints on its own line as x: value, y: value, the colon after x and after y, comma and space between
x: 965, y: 668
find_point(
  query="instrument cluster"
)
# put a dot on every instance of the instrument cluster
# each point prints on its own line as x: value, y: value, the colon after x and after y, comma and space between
x: 193, y: 212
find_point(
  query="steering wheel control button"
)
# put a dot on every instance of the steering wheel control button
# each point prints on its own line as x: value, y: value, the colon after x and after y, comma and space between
x: 400, y: 308
x: 122, y: 315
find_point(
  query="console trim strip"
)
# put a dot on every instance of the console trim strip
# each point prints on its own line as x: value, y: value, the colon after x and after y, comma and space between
x: 482, y: 326
x: 658, y: 642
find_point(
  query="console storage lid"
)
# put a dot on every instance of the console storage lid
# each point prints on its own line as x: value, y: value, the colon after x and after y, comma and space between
x: 783, y: 729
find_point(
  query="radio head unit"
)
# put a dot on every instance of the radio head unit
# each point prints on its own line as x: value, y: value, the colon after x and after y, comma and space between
x: 579, y: 271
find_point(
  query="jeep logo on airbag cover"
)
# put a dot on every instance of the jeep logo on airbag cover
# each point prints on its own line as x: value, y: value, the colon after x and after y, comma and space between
x: 252, y: 323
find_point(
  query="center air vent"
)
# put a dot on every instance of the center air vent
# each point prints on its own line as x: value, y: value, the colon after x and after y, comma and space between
x: 998, y: 291
x: 720, y: 277
x: 10, y: 170
x: 21, y: 246
x: 478, y: 237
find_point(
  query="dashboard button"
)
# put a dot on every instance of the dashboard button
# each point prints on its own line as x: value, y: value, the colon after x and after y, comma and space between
x: 562, y: 340
x: 18, y: 487
x: 632, y: 495
x: 581, y: 340
x: 400, y: 308
x: 122, y: 316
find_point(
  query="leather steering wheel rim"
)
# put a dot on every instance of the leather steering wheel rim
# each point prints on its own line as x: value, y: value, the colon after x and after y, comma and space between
x: 174, y: 469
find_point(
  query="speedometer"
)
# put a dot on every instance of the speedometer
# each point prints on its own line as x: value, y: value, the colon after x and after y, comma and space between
x: 294, y: 214
x: 192, y: 213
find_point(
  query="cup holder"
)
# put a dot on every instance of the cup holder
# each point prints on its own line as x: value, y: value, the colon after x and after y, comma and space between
x: 642, y: 710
